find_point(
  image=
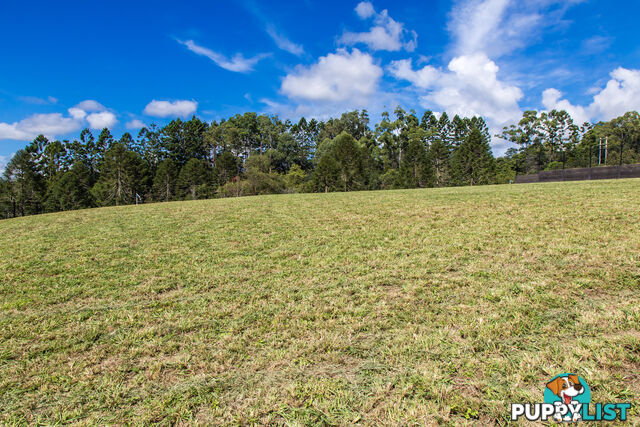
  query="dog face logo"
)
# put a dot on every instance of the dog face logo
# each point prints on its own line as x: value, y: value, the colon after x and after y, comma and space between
x: 568, y: 393
x: 566, y: 388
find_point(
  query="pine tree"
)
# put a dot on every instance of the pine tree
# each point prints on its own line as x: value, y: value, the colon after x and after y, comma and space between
x: 326, y: 174
x: 226, y: 168
x: 122, y: 177
x: 415, y: 169
x: 26, y: 184
x: 70, y: 190
x: 164, y: 181
x: 348, y: 156
x: 438, y: 157
x: 194, y: 180
x: 473, y: 163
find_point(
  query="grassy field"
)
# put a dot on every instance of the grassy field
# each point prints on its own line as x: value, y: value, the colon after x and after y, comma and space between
x: 436, y: 306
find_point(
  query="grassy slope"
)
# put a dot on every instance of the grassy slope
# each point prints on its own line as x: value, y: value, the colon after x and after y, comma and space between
x: 400, y: 306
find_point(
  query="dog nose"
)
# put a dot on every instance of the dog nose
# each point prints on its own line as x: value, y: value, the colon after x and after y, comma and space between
x: 578, y: 387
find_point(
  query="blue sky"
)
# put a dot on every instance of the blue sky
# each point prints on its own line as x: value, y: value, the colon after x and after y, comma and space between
x: 74, y: 64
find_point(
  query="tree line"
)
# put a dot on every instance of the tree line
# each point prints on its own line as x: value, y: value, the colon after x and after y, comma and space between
x: 253, y: 154
x: 551, y: 140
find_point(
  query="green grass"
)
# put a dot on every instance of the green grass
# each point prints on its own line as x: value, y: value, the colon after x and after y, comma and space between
x: 393, y: 307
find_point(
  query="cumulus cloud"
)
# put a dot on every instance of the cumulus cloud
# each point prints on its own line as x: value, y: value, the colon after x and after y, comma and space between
x: 90, y: 105
x: 365, y: 10
x: 93, y: 112
x: 77, y: 113
x: 470, y: 86
x: 238, y: 63
x: 423, y: 78
x: 551, y: 101
x: 620, y: 95
x: 53, y: 125
x: 49, y: 125
x: 179, y: 108
x: 101, y: 120
x: 337, y: 77
x: 134, y: 124
x: 386, y: 34
x: 96, y: 114
x: 284, y: 43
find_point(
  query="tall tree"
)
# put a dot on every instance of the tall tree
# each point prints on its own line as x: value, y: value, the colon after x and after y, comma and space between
x: 415, y: 170
x: 122, y: 177
x: 227, y: 168
x: 149, y: 146
x: 26, y: 184
x: 348, y: 157
x: 184, y: 140
x: 164, y: 181
x: 194, y: 181
x: 70, y: 190
x: 473, y: 163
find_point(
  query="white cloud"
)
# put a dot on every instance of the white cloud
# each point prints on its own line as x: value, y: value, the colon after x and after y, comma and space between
x: 595, y: 44
x: 237, y: 63
x: 337, y: 77
x: 551, y: 101
x: 180, y: 108
x: 284, y: 43
x: 620, y: 95
x: 77, y: 113
x: 470, y: 86
x: 49, y: 125
x: 386, y: 34
x: 423, y: 78
x: 365, y: 10
x: 56, y: 124
x: 90, y: 105
x: 498, y: 27
x: 101, y: 120
x: 134, y: 124
x: 39, y: 101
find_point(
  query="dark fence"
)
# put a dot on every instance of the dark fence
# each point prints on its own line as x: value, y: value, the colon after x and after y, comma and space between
x: 582, y: 174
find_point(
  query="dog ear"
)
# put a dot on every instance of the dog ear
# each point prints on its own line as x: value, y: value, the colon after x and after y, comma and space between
x: 555, y: 386
x: 574, y: 379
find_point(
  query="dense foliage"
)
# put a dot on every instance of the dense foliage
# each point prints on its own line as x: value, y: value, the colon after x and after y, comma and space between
x: 548, y: 141
x: 258, y: 154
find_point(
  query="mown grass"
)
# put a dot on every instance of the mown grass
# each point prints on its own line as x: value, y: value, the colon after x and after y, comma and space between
x: 435, y: 306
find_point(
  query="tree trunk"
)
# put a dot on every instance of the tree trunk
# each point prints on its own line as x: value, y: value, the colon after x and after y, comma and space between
x: 118, y: 187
